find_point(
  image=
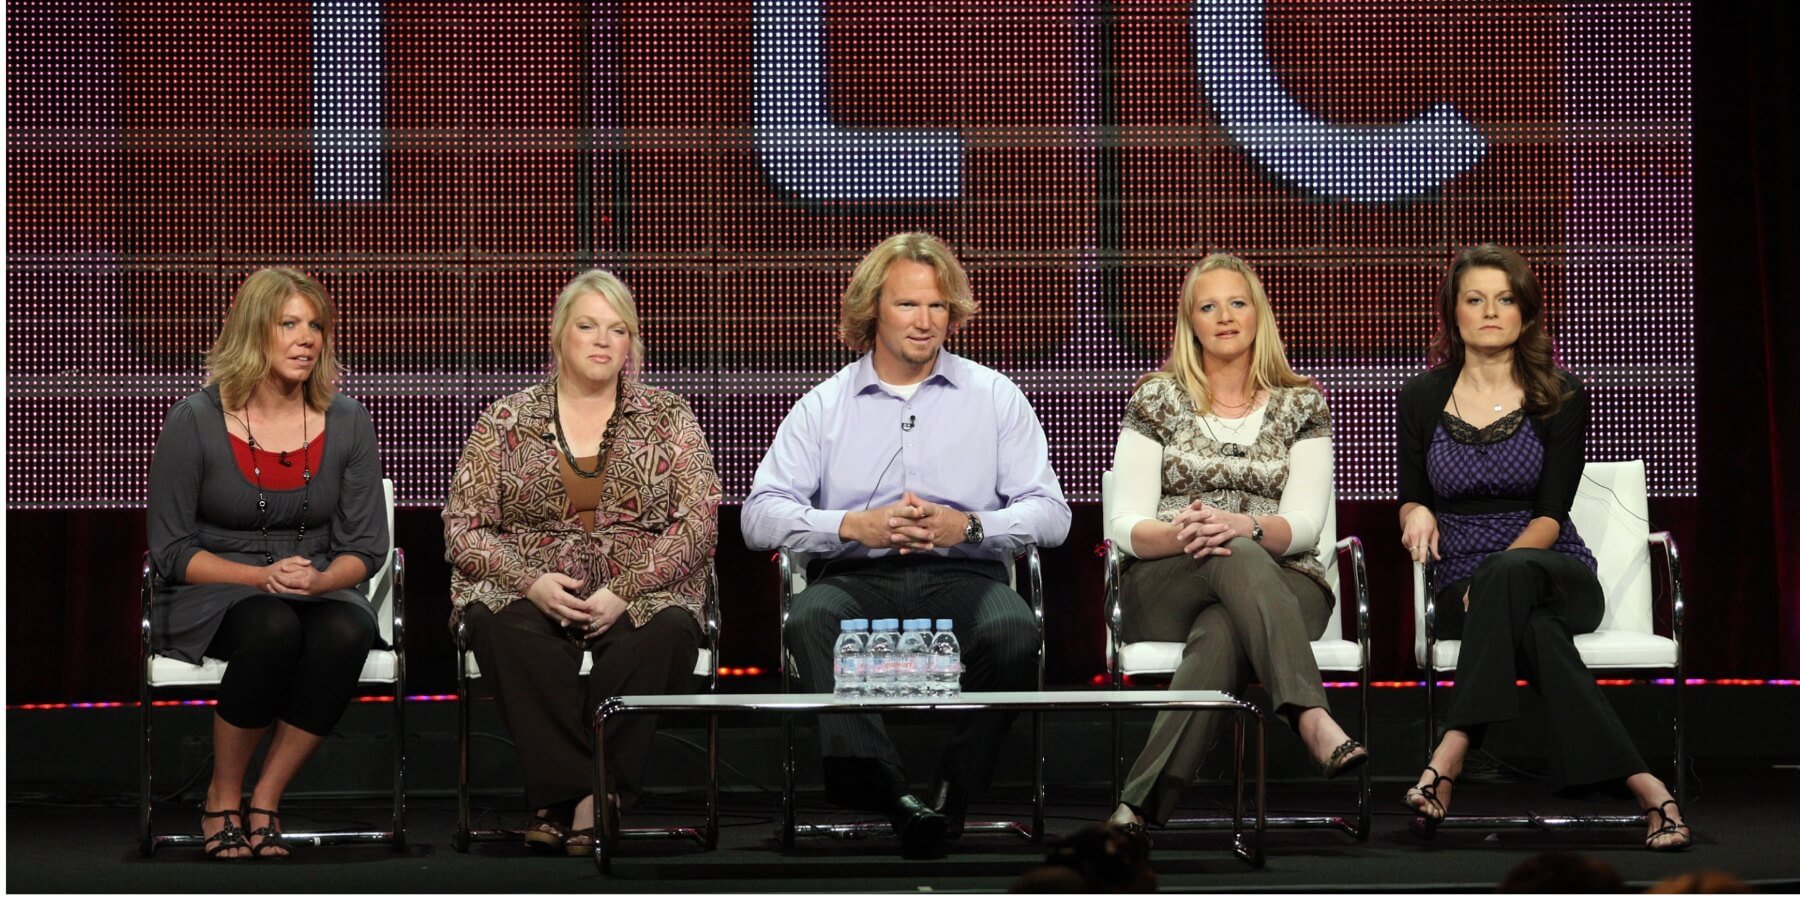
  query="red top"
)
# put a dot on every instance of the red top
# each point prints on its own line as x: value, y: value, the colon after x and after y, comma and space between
x: 275, y: 476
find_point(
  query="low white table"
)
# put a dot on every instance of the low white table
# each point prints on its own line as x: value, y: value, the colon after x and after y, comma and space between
x: 1247, y: 843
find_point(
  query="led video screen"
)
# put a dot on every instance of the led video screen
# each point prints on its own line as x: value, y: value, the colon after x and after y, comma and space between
x: 443, y: 168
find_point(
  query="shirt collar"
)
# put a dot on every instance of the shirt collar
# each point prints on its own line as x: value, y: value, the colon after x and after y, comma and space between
x: 539, y: 405
x: 948, y: 371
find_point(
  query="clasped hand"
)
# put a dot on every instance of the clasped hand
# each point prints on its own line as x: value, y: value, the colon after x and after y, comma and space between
x: 293, y: 575
x: 911, y: 525
x: 1203, y: 531
x: 594, y: 614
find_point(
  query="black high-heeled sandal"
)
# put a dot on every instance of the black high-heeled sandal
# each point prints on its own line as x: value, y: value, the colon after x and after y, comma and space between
x: 270, y: 834
x: 228, y: 837
x: 1670, y: 825
x: 1428, y: 792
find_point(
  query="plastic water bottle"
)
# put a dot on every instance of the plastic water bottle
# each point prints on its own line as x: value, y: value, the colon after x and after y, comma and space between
x: 884, y: 645
x: 945, y: 678
x: 850, y: 657
x: 915, y: 658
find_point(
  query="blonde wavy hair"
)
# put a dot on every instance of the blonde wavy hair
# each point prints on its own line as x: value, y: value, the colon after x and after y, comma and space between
x: 239, y: 358
x: 616, y: 295
x: 1269, y: 367
x: 862, y: 299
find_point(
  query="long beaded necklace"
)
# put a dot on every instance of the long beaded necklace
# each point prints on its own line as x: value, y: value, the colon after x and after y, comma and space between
x: 262, y: 501
x: 563, y: 442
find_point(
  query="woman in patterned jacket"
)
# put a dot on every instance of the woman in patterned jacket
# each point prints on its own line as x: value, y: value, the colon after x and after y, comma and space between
x: 1223, y: 485
x: 581, y: 518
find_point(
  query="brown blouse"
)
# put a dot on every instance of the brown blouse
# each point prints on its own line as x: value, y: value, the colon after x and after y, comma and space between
x: 584, y: 493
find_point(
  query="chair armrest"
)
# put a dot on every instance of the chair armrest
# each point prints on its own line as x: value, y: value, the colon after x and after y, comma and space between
x: 1115, y: 615
x: 1359, y: 579
x: 1677, y: 603
x: 1034, y: 583
x: 709, y: 613
x: 146, y: 587
x: 399, y: 628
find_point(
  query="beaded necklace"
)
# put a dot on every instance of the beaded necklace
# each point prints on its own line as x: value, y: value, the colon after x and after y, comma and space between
x: 262, y: 501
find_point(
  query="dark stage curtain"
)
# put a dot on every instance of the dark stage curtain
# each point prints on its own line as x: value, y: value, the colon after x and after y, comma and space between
x: 1746, y: 562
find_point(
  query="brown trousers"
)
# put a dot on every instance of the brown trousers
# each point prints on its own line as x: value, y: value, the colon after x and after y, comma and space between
x: 532, y: 667
x: 1242, y: 616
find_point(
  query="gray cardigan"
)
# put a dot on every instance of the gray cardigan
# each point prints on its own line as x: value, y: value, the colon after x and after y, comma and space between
x: 199, y: 500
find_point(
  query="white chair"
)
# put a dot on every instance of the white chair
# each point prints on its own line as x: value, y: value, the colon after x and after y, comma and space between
x: 467, y: 672
x: 1331, y: 651
x: 1611, y: 513
x: 385, y: 668
x: 792, y: 564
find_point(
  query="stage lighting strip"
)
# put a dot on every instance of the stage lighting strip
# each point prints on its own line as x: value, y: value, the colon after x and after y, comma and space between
x: 757, y: 670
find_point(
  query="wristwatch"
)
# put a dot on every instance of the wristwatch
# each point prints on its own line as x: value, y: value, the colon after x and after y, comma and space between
x: 1256, y: 531
x: 972, y: 532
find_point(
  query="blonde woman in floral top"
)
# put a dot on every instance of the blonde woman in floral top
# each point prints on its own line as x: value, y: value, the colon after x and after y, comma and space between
x: 1223, y: 485
x: 582, y: 518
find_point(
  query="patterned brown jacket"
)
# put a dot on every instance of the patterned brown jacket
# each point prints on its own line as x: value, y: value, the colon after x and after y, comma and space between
x: 508, y: 519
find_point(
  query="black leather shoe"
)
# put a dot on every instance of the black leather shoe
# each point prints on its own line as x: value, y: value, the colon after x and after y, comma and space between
x: 919, y: 827
x: 951, y: 800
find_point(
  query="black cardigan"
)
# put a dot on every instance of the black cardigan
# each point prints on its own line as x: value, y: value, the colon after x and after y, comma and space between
x: 1564, y: 436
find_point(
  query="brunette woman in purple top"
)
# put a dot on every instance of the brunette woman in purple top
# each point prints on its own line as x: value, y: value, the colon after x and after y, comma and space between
x: 1492, y: 442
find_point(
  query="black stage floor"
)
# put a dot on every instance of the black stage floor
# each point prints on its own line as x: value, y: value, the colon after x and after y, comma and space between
x: 1747, y: 823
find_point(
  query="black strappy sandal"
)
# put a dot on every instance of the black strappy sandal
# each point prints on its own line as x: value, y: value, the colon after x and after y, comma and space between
x: 1341, y: 761
x: 1669, y: 826
x: 270, y: 834
x: 228, y: 837
x: 1428, y: 792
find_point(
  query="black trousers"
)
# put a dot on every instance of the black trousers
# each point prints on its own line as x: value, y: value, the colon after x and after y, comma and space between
x: 293, y: 660
x: 993, y: 624
x: 1525, y: 607
x: 533, y: 668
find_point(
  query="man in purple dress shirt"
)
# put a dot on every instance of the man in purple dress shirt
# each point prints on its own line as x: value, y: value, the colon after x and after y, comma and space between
x: 912, y: 476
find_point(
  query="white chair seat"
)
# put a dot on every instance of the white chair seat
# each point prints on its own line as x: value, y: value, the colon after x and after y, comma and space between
x: 1161, y: 657
x: 1599, y: 650
x: 703, y: 664
x: 382, y: 667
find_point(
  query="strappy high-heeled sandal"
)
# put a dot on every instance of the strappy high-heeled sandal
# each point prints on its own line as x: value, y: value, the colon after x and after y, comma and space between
x: 1428, y: 793
x: 1670, y: 825
x: 270, y: 834
x: 229, y: 836
x: 1341, y: 761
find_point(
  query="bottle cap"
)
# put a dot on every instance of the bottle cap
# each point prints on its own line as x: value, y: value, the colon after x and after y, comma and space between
x: 887, y: 624
x: 943, y: 625
x: 858, y: 624
x: 918, y: 624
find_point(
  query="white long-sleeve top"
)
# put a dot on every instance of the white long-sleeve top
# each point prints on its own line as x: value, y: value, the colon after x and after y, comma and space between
x: 1275, y: 461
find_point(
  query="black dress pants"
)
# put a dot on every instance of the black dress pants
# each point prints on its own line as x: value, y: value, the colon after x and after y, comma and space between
x: 994, y: 626
x: 533, y: 667
x: 1525, y: 607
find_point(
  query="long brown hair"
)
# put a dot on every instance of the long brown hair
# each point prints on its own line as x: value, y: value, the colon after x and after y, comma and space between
x: 1534, y: 354
x: 239, y: 358
x: 1269, y: 367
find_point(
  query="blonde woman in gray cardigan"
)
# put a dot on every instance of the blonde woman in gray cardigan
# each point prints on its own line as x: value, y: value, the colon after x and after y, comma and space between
x: 1223, y: 479
x: 265, y: 514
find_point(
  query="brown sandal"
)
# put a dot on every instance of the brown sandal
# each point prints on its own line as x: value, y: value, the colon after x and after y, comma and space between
x: 581, y: 842
x: 544, y: 835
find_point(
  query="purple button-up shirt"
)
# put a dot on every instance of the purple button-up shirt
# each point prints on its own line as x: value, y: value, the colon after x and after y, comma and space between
x: 968, y: 439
